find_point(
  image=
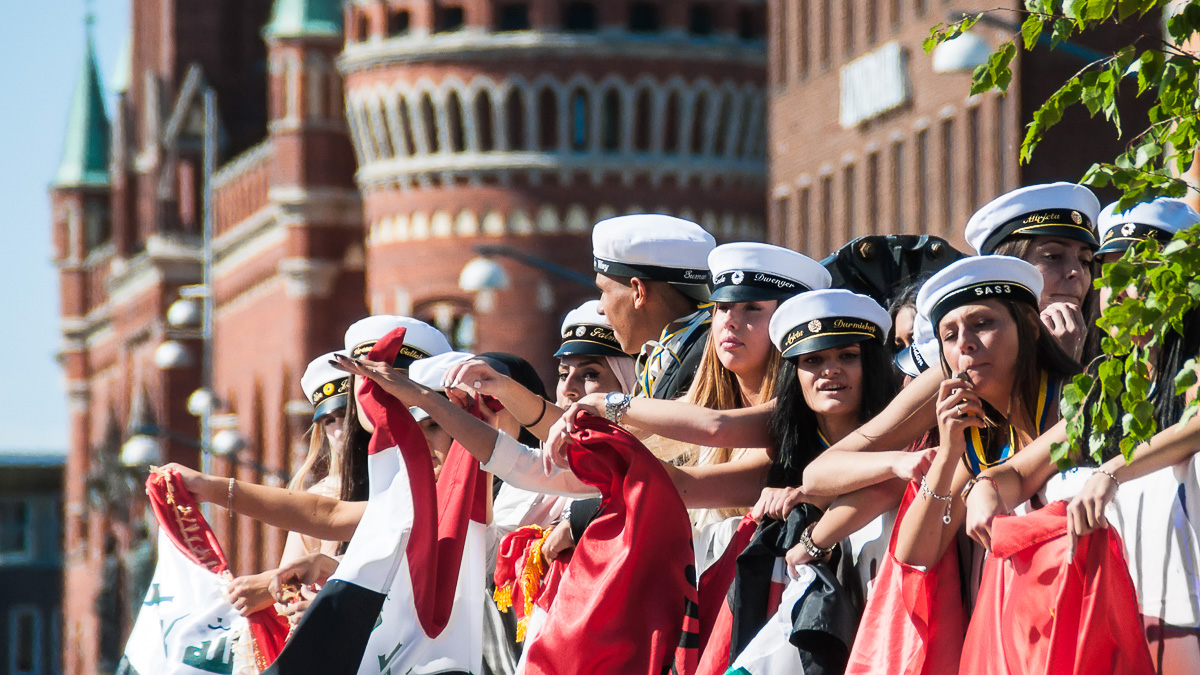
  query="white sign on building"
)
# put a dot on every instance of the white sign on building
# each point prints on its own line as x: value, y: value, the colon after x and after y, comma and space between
x: 873, y: 84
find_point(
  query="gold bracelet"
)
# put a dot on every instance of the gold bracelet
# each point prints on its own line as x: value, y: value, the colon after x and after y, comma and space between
x: 1110, y: 475
x: 229, y: 500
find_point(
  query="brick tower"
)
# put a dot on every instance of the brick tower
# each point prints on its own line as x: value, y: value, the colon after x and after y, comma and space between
x: 523, y: 123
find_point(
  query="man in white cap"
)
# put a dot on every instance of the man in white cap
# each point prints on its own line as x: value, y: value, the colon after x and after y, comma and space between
x: 652, y: 272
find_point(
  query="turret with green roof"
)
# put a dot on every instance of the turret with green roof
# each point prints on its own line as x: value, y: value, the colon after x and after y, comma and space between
x: 85, y: 150
x: 305, y: 18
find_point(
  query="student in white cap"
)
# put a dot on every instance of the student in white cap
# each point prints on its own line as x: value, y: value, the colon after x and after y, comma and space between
x: 1001, y: 370
x: 1052, y: 227
x: 739, y: 365
x: 1157, y: 219
x: 652, y: 272
x: 328, y: 390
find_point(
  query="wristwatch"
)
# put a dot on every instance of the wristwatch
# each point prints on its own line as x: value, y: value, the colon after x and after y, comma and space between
x: 615, y: 405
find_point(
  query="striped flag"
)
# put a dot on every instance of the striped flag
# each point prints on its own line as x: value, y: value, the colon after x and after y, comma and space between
x: 408, y: 595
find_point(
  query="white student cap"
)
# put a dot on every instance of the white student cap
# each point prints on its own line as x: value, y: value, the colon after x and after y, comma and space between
x: 826, y: 318
x: 326, y: 387
x: 431, y: 374
x: 420, y: 339
x: 1053, y: 210
x: 746, y: 272
x: 586, y: 331
x: 970, y: 280
x: 656, y: 248
x: 917, y: 357
x: 1156, y: 219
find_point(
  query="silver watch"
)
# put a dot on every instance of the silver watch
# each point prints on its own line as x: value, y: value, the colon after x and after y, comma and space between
x: 615, y: 405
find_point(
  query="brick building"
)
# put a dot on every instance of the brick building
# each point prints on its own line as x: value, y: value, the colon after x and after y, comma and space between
x: 487, y: 121
x: 866, y: 138
x: 358, y: 168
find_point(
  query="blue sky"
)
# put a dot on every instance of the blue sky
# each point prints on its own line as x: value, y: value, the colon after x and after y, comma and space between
x: 42, y: 56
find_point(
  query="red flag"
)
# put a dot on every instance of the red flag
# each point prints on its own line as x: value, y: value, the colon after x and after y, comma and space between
x: 913, y: 621
x: 1039, y: 613
x: 622, y: 604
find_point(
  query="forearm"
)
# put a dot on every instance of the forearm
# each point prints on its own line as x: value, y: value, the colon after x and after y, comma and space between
x: 472, y: 433
x: 924, y: 535
x: 690, y: 423
x: 735, y: 484
x: 295, y: 511
x: 837, y: 472
x: 521, y: 466
x: 1167, y: 448
x: 527, y: 406
x: 851, y: 512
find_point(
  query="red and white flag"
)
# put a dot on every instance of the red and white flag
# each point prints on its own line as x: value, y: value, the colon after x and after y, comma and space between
x: 408, y: 595
x: 186, y: 626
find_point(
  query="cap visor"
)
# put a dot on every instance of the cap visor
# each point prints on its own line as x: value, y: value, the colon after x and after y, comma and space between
x: 750, y: 294
x: 1118, y: 246
x: 819, y: 342
x: 1065, y: 232
x: 330, y: 406
x: 588, y: 348
x: 905, y: 363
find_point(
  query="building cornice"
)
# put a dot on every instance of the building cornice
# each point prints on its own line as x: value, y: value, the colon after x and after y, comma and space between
x: 477, y: 45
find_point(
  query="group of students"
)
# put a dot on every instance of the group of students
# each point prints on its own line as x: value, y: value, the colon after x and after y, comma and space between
x: 892, y: 455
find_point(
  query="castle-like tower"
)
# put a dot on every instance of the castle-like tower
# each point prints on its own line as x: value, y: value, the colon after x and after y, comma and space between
x: 364, y: 149
x: 523, y: 123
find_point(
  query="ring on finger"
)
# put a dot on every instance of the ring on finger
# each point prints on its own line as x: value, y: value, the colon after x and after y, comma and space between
x: 476, y: 384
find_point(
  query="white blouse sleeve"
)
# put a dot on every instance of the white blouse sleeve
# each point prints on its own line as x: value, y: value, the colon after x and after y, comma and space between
x: 521, y: 466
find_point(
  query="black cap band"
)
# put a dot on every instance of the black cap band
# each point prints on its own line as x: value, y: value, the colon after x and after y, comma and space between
x: 1067, y: 223
x: 671, y: 275
x: 1121, y: 237
x: 827, y: 332
x: 986, y: 290
x: 408, y: 354
x: 748, y: 285
x: 330, y: 396
x: 589, y: 339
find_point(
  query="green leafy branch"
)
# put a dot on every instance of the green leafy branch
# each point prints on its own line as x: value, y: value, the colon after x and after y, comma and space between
x: 1156, y: 286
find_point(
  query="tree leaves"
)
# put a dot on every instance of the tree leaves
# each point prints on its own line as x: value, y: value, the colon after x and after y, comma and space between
x: 1157, y: 285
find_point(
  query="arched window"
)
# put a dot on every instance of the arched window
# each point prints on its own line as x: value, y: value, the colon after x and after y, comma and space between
x: 580, y: 114
x: 398, y: 21
x: 547, y: 107
x: 671, y: 122
x: 362, y: 24
x: 454, y: 119
x: 699, y: 117
x: 751, y: 24
x: 580, y: 17
x: 724, y: 116
x: 643, y: 114
x: 741, y: 144
x: 643, y: 17
x: 700, y: 19
x: 406, y: 133
x: 383, y: 140
x: 483, y: 122
x: 429, y: 120
x: 512, y: 16
x: 514, y: 113
x: 610, y: 139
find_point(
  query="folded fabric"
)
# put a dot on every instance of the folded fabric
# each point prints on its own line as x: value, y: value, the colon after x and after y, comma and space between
x: 913, y: 622
x: 1039, y: 613
x: 407, y: 594
x: 621, y: 606
x: 186, y: 626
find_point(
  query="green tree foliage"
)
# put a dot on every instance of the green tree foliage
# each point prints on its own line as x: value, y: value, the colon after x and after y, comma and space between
x: 1156, y: 286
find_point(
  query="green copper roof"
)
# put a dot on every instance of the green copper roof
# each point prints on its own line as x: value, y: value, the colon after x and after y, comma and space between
x: 303, y: 18
x: 85, y: 150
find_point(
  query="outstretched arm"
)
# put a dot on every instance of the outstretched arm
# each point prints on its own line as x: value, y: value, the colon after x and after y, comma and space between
x: 849, y: 466
x: 292, y: 510
x: 733, y: 484
x: 524, y: 405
